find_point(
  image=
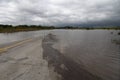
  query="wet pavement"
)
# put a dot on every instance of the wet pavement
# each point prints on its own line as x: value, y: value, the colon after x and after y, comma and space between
x: 65, y: 66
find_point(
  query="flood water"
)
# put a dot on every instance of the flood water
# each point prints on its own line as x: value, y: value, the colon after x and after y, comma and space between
x: 98, y: 51
x: 6, y: 38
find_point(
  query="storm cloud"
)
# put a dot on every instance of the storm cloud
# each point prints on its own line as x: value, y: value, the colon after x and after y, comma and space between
x: 60, y: 12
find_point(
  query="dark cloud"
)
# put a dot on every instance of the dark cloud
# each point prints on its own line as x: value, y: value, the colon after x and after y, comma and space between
x: 60, y: 12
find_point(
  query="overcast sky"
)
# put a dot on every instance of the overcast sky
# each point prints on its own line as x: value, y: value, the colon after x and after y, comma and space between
x: 60, y: 12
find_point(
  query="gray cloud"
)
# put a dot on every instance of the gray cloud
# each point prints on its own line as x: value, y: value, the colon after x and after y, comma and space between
x: 60, y: 12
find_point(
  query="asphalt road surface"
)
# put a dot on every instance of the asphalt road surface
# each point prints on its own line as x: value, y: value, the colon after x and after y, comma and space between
x: 24, y: 61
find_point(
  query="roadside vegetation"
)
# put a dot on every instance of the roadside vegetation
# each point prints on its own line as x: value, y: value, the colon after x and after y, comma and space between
x: 19, y: 28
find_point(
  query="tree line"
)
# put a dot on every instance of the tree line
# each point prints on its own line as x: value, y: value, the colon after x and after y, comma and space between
x: 17, y: 28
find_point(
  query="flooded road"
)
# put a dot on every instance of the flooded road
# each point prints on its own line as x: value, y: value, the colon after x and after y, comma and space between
x: 82, y: 52
x: 6, y: 38
x: 66, y: 67
x: 76, y: 54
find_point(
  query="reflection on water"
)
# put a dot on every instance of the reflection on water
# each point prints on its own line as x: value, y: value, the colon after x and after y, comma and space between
x: 11, y: 37
x: 97, y: 50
